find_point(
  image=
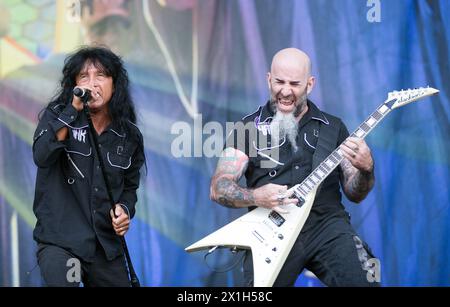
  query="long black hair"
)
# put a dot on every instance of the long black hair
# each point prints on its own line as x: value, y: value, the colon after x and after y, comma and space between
x: 121, y: 106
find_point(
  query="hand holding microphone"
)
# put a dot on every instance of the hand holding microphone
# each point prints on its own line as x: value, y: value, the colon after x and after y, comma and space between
x: 79, y: 94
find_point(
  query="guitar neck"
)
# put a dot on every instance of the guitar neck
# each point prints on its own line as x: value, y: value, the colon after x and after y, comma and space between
x: 325, y: 168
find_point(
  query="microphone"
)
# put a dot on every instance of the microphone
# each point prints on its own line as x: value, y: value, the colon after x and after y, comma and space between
x: 82, y: 93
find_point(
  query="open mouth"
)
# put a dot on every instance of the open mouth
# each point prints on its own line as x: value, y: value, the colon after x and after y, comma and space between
x: 286, y: 102
x: 95, y: 96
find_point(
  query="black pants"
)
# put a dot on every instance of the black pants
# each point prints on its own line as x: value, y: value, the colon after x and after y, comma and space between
x: 60, y: 268
x: 333, y: 252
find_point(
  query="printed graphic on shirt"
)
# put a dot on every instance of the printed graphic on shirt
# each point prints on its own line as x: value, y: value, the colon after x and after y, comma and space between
x: 79, y: 135
x: 264, y: 126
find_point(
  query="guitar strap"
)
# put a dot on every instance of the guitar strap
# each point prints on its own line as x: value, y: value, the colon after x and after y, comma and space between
x: 327, y: 142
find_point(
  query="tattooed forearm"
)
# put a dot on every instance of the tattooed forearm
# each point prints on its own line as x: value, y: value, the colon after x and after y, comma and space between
x: 356, y: 184
x: 231, y: 195
x: 224, y: 187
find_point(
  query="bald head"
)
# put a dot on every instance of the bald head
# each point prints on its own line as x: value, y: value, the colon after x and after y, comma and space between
x: 292, y: 59
x: 290, y: 81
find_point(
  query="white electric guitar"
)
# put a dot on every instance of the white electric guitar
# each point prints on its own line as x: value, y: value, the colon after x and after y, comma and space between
x: 271, y: 235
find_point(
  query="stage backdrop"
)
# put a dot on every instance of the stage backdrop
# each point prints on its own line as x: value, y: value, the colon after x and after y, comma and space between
x: 196, y: 62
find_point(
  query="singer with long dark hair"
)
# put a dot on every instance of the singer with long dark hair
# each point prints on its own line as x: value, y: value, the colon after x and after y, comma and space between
x: 77, y: 232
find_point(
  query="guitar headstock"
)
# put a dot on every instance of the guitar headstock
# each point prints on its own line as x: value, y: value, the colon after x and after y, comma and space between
x: 398, y: 99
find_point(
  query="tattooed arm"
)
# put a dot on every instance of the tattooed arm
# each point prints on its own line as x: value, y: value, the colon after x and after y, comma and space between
x: 357, y: 169
x: 225, y: 190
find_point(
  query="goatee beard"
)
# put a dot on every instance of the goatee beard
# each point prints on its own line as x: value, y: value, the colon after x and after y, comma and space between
x: 286, y: 125
x: 301, y: 106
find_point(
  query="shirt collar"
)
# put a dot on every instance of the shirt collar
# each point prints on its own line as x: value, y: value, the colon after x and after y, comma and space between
x: 315, y: 113
x: 117, y: 129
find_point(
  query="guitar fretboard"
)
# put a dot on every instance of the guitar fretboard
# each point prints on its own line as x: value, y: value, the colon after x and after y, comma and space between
x: 335, y: 158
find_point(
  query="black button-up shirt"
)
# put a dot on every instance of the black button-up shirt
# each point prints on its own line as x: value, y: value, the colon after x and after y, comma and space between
x: 71, y: 201
x: 286, y: 167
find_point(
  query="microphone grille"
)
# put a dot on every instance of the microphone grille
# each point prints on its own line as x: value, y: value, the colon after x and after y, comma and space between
x: 79, y: 92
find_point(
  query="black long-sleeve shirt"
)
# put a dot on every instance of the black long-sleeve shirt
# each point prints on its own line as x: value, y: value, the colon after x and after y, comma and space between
x: 71, y: 201
x: 291, y: 168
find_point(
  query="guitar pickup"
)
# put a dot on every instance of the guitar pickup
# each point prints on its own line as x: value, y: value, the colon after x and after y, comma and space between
x: 276, y: 218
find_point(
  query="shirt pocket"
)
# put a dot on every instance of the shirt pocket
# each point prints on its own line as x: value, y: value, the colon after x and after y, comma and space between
x: 116, y: 165
x: 78, y: 148
x: 309, y: 142
x: 120, y: 161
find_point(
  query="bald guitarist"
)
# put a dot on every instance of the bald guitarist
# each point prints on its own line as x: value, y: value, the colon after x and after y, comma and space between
x: 328, y: 245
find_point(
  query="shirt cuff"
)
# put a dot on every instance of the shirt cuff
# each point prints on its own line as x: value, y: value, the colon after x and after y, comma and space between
x: 67, y: 117
x: 126, y: 209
